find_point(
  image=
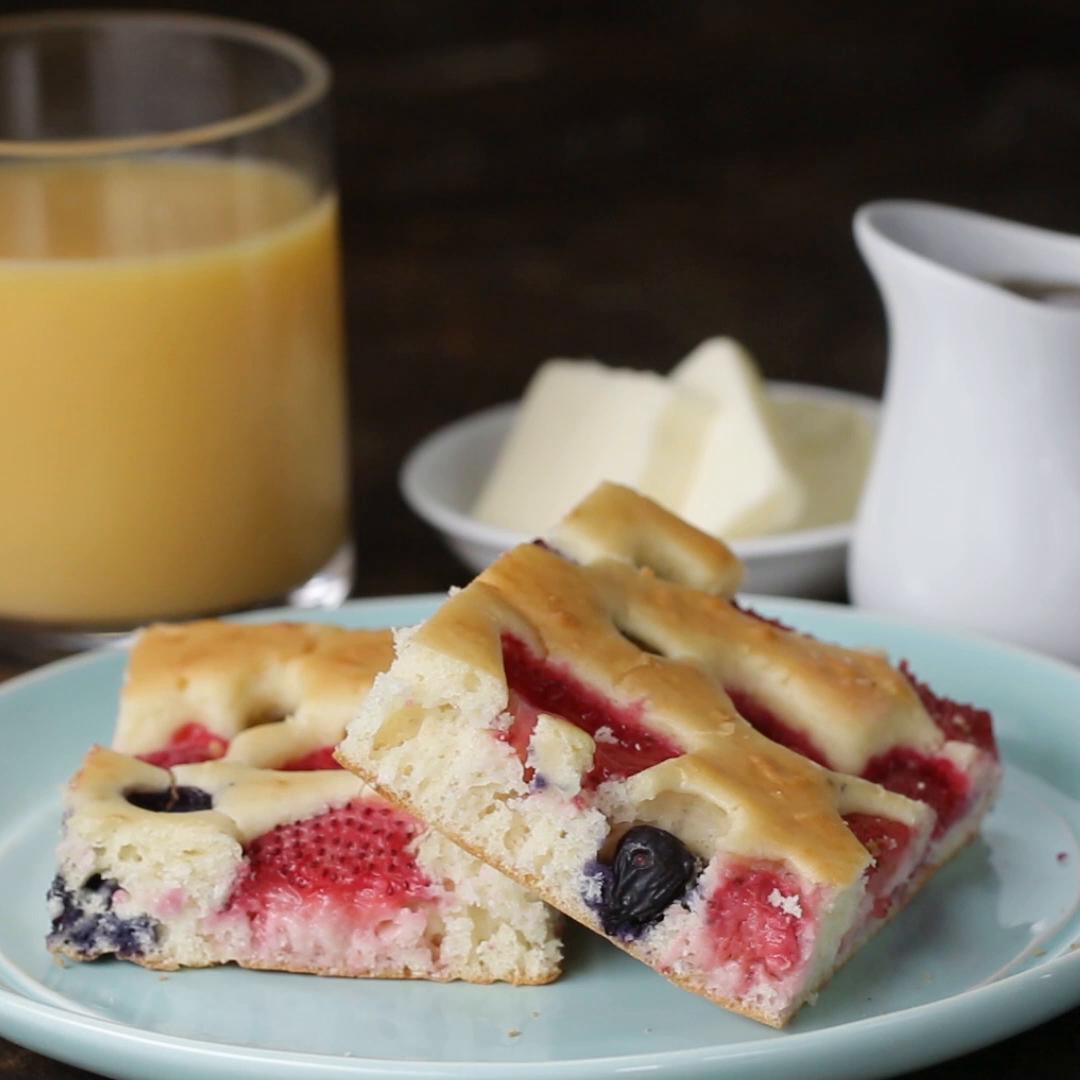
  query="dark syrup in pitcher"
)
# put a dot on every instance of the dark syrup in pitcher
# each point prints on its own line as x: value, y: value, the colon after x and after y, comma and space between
x: 1056, y: 293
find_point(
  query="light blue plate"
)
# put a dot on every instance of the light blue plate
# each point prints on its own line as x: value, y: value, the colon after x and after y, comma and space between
x: 992, y: 945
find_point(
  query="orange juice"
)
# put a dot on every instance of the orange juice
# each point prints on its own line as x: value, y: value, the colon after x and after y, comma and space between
x: 172, y: 414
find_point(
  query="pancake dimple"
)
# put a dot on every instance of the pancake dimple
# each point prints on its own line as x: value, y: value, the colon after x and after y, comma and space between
x: 614, y: 522
x: 240, y: 683
x: 852, y: 703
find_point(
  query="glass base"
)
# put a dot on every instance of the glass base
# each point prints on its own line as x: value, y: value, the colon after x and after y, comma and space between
x: 39, y: 641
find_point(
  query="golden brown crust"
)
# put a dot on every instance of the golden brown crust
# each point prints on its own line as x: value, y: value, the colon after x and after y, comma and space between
x: 105, y: 778
x: 154, y: 964
x: 403, y: 973
x: 247, y: 801
x: 615, y: 522
x: 778, y: 804
x: 105, y: 774
x: 238, y: 679
x: 853, y: 704
x: 168, y: 654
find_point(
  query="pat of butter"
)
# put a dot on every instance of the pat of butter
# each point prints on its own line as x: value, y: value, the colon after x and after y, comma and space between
x: 741, y: 484
x: 580, y: 423
x: 700, y: 442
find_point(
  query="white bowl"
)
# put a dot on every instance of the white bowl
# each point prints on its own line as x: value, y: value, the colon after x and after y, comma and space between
x: 442, y: 476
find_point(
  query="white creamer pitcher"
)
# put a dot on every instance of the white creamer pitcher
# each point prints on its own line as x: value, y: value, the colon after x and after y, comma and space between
x: 972, y: 509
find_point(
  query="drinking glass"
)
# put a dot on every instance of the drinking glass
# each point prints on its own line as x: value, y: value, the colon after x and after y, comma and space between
x: 172, y: 402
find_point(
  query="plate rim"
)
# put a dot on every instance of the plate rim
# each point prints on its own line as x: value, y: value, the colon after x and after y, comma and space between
x: 957, y: 1022
x: 671, y: 1063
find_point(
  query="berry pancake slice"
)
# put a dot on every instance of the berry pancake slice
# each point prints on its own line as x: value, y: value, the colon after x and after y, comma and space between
x: 274, y: 857
x: 847, y: 709
x: 532, y: 722
x: 289, y: 871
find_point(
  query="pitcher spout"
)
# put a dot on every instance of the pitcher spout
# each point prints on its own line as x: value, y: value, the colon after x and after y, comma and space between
x: 952, y: 247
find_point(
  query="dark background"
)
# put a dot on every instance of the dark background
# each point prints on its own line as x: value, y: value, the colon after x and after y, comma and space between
x: 624, y: 179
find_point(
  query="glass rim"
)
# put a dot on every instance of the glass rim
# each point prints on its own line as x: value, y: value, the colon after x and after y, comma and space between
x: 314, y: 70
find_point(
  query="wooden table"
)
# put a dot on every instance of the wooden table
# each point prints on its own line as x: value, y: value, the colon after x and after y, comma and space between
x: 622, y: 181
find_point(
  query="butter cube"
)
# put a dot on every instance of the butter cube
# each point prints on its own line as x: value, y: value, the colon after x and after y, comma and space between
x: 700, y: 441
x: 579, y: 423
x: 740, y: 484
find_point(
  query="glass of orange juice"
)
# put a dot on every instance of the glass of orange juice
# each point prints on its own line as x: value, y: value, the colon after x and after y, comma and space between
x: 172, y: 403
